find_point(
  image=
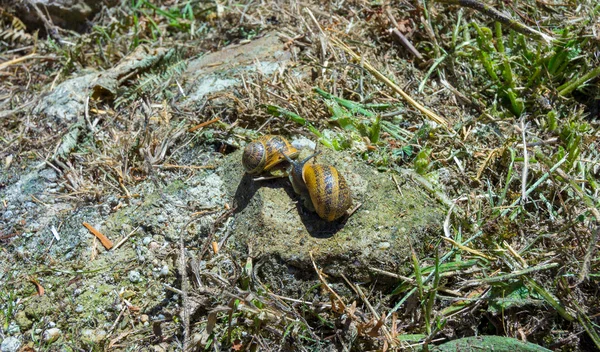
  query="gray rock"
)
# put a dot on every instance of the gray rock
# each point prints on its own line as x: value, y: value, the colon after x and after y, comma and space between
x: 10, y: 344
x: 49, y: 174
x: 271, y: 219
x: 134, y: 276
x: 13, y: 328
x: 220, y: 70
x: 67, y: 101
x: 92, y: 337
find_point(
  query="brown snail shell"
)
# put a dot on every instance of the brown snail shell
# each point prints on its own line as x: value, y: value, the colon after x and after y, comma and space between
x: 265, y: 152
x: 322, y: 187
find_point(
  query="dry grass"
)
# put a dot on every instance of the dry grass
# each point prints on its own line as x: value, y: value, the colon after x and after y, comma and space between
x: 514, y: 152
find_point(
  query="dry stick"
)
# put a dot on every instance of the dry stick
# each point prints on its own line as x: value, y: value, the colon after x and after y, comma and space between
x: 191, y: 167
x: 203, y: 124
x: 429, y: 187
x: 592, y: 209
x: 105, y: 241
x: 513, y: 275
x: 498, y: 16
x: 407, y: 44
x: 184, y: 296
x: 381, y: 317
x: 325, y: 282
x: 589, y: 253
x: 381, y: 77
x: 543, y: 178
x: 525, y: 164
x: 24, y: 58
x: 125, y: 238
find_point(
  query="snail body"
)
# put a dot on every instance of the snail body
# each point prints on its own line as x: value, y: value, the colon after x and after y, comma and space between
x: 264, y: 153
x: 322, y: 187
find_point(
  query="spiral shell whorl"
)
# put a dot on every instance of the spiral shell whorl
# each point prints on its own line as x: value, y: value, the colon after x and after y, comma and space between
x: 328, y: 191
x: 266, y: 152
x: 254, y: 157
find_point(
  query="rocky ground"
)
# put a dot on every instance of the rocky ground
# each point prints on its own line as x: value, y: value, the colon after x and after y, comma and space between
x: 127, y: 221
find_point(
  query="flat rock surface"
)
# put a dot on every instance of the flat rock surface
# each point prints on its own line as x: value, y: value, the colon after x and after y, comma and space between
x: 271, y: 221
x: 220, y: 70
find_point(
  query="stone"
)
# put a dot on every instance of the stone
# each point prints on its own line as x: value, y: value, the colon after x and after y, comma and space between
x: 51, y: 335
x: 220, y: 70
x: 134, y: 276
x: 10, y: 344
x: 271, y: 219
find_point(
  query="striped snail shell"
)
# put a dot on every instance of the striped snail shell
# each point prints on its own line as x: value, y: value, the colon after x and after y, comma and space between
x: 265, y: 152
x: 322, y: 187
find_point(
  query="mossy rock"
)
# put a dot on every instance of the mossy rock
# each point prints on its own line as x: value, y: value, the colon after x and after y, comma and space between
x: 271, y: 221
x: 488, y: 343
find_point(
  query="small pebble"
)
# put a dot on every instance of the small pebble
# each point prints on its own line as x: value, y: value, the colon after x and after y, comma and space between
x: 90, y: 336
x: 51, y: 335
x: 384, y: 245
x: 147, y: 240
x: 13, y: 328
x: 10, y: 344
x: 164, y: 271
x: 144, y: 318
x: 134, y: 276
x: 79, y: 308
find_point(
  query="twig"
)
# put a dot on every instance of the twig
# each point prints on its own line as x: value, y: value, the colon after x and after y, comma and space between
x: 394, y: 275
x: 105, y: 241
x: 525, y: 163
x: 31, y: 56
x: 513, y: 275
x: 428, y: 113
x: 203, y: 124
x: 429, y: 187
x: 403, y: 40
x: 125, y: 239
x: 397, y: 185
x: 324, y: 282
x: 191, y: 167
x: 543, y: 178
x: 381, y: 317
x: 498, y: 16
x: 589, y: 253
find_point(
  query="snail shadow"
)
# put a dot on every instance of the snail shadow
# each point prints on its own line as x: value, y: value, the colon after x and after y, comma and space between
x: 244, y: 193
x: 315, y: 226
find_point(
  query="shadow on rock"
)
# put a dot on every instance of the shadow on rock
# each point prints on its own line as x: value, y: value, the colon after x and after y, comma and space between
x: 244, y: 192
x: 315, y: 226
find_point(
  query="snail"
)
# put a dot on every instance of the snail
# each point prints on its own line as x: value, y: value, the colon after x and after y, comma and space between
x: 264, y: 153
x: 322, y: 188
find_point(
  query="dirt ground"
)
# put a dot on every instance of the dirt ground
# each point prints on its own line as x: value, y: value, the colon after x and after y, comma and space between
x: 467, y: 133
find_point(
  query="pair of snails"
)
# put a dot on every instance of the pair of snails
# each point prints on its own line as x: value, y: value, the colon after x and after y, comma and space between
x: 322, y: 187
